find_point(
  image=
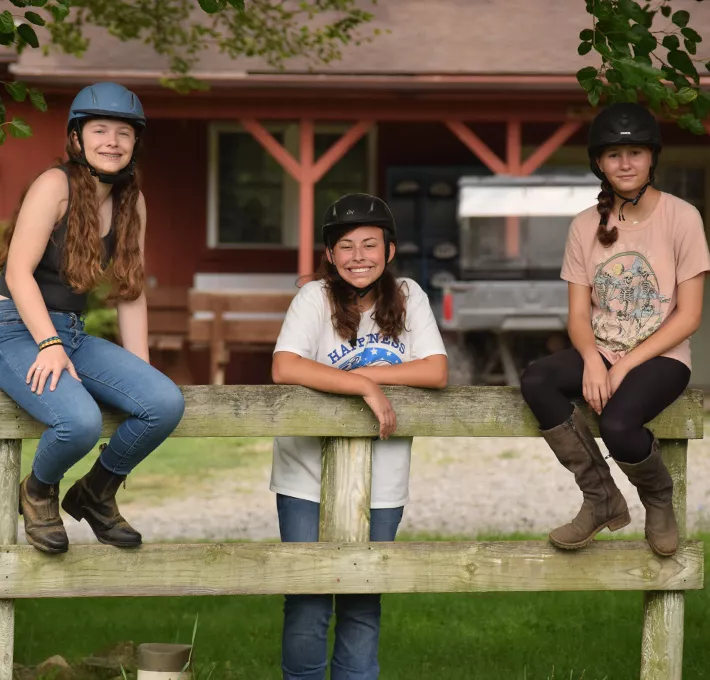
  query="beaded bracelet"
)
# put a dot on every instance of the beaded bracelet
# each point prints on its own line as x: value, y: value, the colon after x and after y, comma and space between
x: 54, y: 340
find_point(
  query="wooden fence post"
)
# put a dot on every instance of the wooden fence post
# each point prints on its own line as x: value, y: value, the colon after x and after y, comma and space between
x: 345, y: 490
x: 10, y: 450
x: 662, y: 642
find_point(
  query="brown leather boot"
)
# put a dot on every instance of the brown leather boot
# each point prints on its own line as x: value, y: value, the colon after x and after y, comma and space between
x: 603, y: 504
x: 39, y: 506
x: 93, y: 498
x: 655, y: 486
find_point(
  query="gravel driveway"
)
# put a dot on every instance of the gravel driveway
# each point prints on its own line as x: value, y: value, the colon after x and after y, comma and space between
x: 463, y: 487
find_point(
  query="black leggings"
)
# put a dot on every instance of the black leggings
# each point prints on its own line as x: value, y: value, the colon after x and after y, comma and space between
x: 549, y: 384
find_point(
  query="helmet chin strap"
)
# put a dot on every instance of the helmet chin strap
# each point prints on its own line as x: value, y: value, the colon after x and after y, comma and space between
x: 362, y: 292
x: 634, y: 201
x: 120, y: 177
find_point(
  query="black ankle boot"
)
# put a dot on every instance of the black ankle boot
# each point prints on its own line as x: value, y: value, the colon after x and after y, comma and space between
x: 39, y: 506
x: 93, y: 498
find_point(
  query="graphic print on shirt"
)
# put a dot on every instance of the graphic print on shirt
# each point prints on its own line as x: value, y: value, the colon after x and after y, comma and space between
x: 630, y: 301
x: 372, y: 349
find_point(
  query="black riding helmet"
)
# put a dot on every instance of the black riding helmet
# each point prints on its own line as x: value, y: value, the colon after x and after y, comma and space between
x: 358, y: 210
x: 628, y: 124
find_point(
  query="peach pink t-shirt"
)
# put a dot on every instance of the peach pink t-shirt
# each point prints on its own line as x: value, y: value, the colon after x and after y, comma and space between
x: 634, y: 282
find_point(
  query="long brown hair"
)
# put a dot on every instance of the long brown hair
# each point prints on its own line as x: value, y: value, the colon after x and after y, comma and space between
x: 83, y: 266
x: 390, y: 302
x: 605, y: 202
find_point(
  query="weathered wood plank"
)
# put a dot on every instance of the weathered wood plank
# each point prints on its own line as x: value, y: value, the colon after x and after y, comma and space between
x: 272, y: 410
x: 9, y: 489
x: 263, y: 568
x: 664, y: 612
x: 346, y: 484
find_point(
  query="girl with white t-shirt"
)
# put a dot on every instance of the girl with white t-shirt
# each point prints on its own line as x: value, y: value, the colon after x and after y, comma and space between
x: 635, y: 264
x: 354, y: 328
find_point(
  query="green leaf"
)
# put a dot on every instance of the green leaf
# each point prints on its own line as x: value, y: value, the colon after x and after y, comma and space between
x: 681, y: 18
x: 690, y: 34
x: 7, y: 38
x: 701, y: 105
x: 586, y: 34
x: 20, y: 3
x: 211, y: 6
x: 584, y: 48
x: 688, y: 121
x: 680, y: 60
x: 2, y: 136
x: 3, y: 111
x: 19, y: 129
x: 666, y: 11
x: 596, y: 93
x: 671, y: 42
x: 690, y: 46
x: 237, y: 4
x: 17, y: 90
x: 686, y: 95
x: 7, y: 23
x: 603, y: 49
x: 59, y: 12
x: 655, y: 93
x: 635, y: 12
x: 613, y: 76
x: 34, y: 18
x: 586, y: 73
x: 38, y: 3
x: 37, y: 99
x: 27, y: 33
x: 707, y: 65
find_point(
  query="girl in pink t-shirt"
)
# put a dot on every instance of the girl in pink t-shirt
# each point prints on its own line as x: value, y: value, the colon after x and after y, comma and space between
x: 635, y: 264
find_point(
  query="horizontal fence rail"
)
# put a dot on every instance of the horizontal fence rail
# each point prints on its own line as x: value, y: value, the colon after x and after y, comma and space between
x: 303, y: 568
x: 280, y: 410
x: 344, y: 561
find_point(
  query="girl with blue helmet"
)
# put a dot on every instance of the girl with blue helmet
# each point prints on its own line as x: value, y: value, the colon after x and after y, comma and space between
x: 80, y: 224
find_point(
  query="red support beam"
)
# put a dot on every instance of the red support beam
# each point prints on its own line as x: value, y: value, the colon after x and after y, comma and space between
x: 267, y: 140
x: 477, y: 146
x: 550, y: 145
x: 307, y: 198
x: 340, y: 148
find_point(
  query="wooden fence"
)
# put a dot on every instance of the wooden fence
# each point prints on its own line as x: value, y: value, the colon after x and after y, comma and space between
x: 344, y: 561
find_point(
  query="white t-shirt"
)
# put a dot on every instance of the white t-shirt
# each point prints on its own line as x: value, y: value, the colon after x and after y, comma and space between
x: 308, y: 331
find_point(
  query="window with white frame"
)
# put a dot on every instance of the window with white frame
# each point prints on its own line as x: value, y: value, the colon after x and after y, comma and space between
x: 253, y: 201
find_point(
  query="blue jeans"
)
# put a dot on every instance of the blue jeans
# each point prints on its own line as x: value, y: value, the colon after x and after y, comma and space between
x: 307, y: 617
x: 110, y: 375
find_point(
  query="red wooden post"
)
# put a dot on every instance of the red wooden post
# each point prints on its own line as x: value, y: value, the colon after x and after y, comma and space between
x: 514, y: 152
x: 306, y: 199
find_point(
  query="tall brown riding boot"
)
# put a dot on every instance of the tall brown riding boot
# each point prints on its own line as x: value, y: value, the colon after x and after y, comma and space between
x: 655, y: 486
x: 39, y: 506
x: 93, y: 498
x: 603, y: 504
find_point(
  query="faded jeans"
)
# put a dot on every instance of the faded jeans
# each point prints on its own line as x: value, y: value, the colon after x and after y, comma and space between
x: 109, y: 374
x: 307, y: 617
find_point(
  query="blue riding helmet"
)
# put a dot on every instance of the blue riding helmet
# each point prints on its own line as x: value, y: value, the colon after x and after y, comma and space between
x: 107, y: 100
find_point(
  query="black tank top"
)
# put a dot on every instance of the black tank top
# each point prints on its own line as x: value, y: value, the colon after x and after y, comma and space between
x: 56, y: 292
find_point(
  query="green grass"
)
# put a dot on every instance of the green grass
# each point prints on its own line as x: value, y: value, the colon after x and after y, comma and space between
x: 179, y: 465
x: 487, y: 636
x: 490, y: 636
